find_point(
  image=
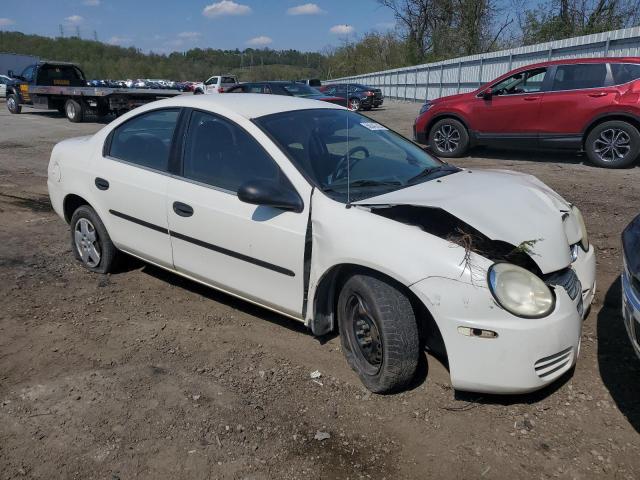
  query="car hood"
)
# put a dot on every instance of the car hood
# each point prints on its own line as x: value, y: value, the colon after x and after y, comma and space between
x: 450, y: 98
x: 503, y: 205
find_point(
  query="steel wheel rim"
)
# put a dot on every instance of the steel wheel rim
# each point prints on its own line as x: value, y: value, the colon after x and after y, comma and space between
x: 366, y: 335
x: 612, y: 144
x: 354, y: 105
x: 86, y: 241
x: 447, y: 138
x: 71, y: 111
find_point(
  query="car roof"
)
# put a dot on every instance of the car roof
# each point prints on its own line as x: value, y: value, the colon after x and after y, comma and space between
x: 248, y: 105
x: 568, y: 61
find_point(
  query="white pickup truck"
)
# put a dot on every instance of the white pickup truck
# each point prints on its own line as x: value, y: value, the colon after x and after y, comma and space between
x: 215, y: 84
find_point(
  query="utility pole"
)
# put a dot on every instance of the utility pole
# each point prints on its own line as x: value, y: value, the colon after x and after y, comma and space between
x: 95, y: 35
x: 61, y: 30
x: 77, y: 31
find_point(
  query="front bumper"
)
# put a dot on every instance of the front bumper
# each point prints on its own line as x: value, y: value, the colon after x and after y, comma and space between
x: 527, y: 354
x: 631, y: 311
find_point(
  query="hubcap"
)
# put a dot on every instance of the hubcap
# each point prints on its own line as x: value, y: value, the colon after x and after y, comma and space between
x: 11, y: 103
x: 447, y: 138
x: 612, y: 144
x: 71, y: 111
x: 86, y: 240
x: 354, y: 105
x: 366, y: 334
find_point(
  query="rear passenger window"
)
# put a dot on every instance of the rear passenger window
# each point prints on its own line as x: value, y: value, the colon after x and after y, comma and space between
x: 146, y: 139
x: 221, y: 154
x: 579, y: 76
x: 624, y: 72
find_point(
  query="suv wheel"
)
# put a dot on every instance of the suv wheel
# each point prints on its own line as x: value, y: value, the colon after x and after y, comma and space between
x: 613, y: 144
x: 90, y: 241
x: 354, y: 104
x: 449, y: 138
x: 379, y: 333
x: 13, y: 104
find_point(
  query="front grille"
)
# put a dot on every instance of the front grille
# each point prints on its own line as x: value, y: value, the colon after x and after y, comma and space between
x: 549, y: 365
x: 566, y: 279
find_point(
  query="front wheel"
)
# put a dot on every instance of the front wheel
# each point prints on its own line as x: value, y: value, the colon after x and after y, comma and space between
x: 354, y: 104
x: 379, y: 332
x: 449, y: 138
x: 13, y: 104
x: 90, y: 241
x: 613, y: 144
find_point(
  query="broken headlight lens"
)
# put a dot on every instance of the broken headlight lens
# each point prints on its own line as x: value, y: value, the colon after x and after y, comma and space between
x: 519, y: 291
x: 584, y: 240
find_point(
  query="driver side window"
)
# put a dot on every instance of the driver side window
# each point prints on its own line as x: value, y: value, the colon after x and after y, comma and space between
x: 529, y: 81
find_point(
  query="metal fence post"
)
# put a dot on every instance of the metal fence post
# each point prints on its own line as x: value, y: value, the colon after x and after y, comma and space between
x: 441, y: 79
x: 606, y: 46
x: 426, y: 90
x: 480, y: 72
x: 415, y: 86
x: 459, y: 73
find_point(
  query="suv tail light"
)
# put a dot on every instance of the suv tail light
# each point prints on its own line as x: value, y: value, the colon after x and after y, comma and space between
x: 369, y: 94
x: 220, y: 90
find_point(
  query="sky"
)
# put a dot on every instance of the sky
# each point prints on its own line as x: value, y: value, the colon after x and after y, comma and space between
x: 175, y: 25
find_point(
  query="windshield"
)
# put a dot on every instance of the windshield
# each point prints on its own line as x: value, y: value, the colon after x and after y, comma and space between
x: 349, y: 156
x: 301, y: 90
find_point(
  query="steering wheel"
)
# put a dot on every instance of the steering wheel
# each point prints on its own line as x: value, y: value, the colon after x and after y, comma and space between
x: 342, y: 166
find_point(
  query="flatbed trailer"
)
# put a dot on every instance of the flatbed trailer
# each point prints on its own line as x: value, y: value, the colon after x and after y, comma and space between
x: 50, y: 86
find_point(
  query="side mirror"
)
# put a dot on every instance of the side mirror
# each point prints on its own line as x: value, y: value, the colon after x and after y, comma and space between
x: 270, y: 193
x: 487, y: 94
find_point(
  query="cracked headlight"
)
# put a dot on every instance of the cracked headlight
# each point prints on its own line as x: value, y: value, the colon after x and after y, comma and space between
x: 519, y: 291
x: 584, y: 240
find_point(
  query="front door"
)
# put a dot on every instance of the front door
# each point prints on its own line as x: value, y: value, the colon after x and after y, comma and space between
x: 252, y: 251
x: 512, y: 111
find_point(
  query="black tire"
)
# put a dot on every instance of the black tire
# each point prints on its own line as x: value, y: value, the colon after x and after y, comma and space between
x: 13, y: 104
x: 389, y: 322
x: 61, y: 110
x: 448, y: 138
x: 198, y: 92
x: 625, y: 150
x: 107, y: 252
x: 102, y: 111
x: 367, y: 108
x: 74, y: 111
x: 354, y: 104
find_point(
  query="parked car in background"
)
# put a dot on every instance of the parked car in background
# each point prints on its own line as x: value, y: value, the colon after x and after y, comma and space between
x: 292, y: 89
x: 312, y: 82
x: 588, y: 104
x: 4, y: 81
x: 492, y: 269
x: 631, y: 282
x: 215, y: 84
x: 356, y: 96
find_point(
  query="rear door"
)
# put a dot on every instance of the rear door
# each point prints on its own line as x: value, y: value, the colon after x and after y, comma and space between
x: 131, y: 184
x: 252, y: 251
x: 576, y: 94
x: 512, y: 112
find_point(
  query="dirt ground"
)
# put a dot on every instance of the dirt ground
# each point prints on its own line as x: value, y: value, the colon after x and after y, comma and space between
x: 142, y: 374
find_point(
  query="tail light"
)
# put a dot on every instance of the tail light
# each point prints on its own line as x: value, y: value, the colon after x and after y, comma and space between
x: 220, y: 90
x: 369, y: 94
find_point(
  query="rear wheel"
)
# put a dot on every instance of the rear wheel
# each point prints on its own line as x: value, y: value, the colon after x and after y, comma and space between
x: 613, y: 144
x: 90, y: 241
x: 354, y: 104
x: 13, y: 104
x: 379, y: 332
x: 74, y: 111
x: 198, y: 92
x: 449, y: 138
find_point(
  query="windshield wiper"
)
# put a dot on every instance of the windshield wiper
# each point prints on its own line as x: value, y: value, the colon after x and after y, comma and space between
x: 429, y: 171
x: 368, y: 183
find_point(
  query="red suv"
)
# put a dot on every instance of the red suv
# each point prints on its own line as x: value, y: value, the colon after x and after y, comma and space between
x: 589, y: 104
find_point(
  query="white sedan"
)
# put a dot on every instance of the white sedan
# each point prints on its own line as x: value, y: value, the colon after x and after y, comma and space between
x: 334, y: 220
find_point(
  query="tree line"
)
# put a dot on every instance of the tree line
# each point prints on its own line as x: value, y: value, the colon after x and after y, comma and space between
x: 425, y: 31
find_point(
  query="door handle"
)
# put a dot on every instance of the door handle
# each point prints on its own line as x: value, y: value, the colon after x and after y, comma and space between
x: 598, y: 94
x: 182, y: 209
x: 101, y: 183
x: 531, y: 99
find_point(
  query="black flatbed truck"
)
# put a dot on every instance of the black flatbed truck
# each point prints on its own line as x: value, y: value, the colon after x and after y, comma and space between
x: 63, y: 87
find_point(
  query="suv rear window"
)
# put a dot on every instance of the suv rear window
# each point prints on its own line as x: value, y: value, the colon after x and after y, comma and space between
x: 580, y: 75
x: 228, y: 80
x: 625, y: 72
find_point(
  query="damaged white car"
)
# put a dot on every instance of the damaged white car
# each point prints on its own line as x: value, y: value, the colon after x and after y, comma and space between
x: 329, y: 218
